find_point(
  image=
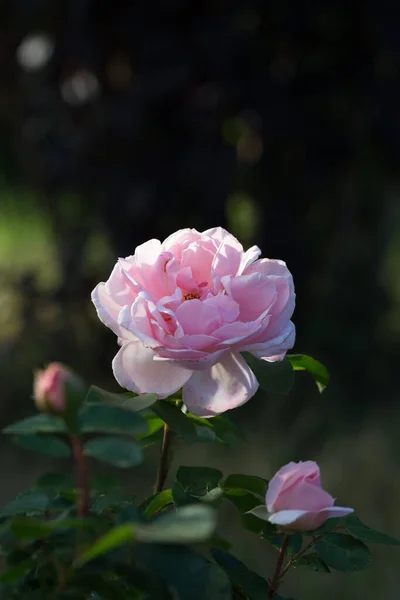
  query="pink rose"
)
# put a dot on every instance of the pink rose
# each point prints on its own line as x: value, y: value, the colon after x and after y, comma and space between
x: 49, y: 388
x: 296, y: 500
x: 183, y: 311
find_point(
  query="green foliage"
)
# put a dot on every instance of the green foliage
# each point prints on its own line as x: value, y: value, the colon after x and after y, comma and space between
x: 312, y: 561
x: 343, y: 552
x: 98, y: 543
x: 356, y: 528
x: 251, y: 584
x: 273, y: 377
x: 115, y: 451
x: 302, y: 362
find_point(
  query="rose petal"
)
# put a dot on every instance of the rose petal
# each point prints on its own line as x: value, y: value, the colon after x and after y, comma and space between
x: 248, y: 258
x: 303, y: 520
x: 287, y: 475
x: 254, y: 293
x: 276, y: 348
x: 228, y: 384
x: 136, y: 370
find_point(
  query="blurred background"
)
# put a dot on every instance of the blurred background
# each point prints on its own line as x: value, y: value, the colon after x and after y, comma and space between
x: 124, y: 121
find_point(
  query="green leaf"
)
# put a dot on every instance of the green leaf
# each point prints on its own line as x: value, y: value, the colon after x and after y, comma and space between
x: 32, y: 503
x: 198, y: 480
x: 123, y: 534
x: 109, y: 499
x: 134, y: 404
x: 302, y: 362
x: 273, y: 377
x: 100, y: 418
x: 159, y: 502
x: 241, y: 484
x: 178, y: 422
x: 12, y: 574
x: 252, y: 584
x: 55, y: 482
x: 114, y: 451
x: 189, y: 574
x: 188, y: 524
x: 149, y: 440
x: 313, y: 562
x: 44, y: 444
x: 227, y: 430
x: 328, y: 527
x: 25, y: 528
x: 359, y: 530
x: 342, y: 552
x: 41, y: 423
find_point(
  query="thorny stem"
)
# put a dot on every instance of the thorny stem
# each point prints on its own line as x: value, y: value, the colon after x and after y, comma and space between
x: 295, y: 557
x: 274, y: 584
x: 82, y: 475
x: 164, y: 459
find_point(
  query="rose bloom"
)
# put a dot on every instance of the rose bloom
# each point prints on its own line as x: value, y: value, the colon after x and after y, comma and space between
x: 296, y: 500
x: 184, y: 309
x: 49, y: 388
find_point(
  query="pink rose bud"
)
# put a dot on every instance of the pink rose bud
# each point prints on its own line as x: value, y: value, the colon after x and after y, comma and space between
x: 50, y: 388
x: 185, y: 309
x: 296, y: 500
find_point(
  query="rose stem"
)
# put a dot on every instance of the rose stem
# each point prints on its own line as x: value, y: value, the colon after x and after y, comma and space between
x: 163, y: 464
x: 82, y: 473
x: 274, y: 584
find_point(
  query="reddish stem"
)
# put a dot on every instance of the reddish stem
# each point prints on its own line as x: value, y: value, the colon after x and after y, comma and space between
x: 274, y: 584
x: 82, y: 476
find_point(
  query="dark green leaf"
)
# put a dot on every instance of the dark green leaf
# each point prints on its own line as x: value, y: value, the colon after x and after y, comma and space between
x: 273, y: 377
x: 218, y: 542
x: 357, y: 529
x: 241, y: 484
x: 149, y: 440
x: 178, y: 422
x: 301, y: 362
x: 159, y: 502
x: 123, y: 534
x: 114, y: 451
x: 100, y: 418
x: 44, y: 444
x: 107, y: 500
x: 329, y: 526
x: 314, y: 562
x: 198, y: 480
x: 252, y: 584
x: 188, y: 524
x: 12, y: 574
x: 55, y: 482
x: 41, y: 423
x: 98, y: 395
x: 342, y: 552
x: 188, y: 573
x: 32, y: 503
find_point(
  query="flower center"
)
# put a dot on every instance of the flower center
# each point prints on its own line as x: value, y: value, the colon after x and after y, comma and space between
x: 190, y: 296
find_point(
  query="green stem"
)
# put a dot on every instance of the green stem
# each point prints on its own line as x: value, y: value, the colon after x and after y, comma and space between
x: 82, y: 475
x: 274, y: 583
x: 163, y: 465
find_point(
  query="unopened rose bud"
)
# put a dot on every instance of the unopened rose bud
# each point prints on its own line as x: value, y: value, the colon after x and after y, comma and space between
x: 53, y: 388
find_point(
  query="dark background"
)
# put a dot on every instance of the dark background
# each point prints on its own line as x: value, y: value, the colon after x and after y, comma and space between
x: 123, y: 121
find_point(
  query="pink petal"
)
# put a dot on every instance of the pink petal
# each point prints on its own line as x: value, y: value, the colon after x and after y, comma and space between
x: 135, y: 319
x: 199, y: 258
x: 107, y: 309
x: 122, y: 289
x: 227, y: 258
x: 254, y: 293
x: 303, y: 495
x: 228, y: 384
x: 147, y: 253
x: 196, y: 360
x: 303, y: 520
x: 236, y: 333
x: 197, y: 317
x: 136, y: 370
x: 227, y: 308
x: 178, y: 241
x: 248, y: 258
x: 273, y: 349
x: 287, y: 475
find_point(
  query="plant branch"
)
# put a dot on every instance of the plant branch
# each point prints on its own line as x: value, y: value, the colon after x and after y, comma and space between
x: 82, y: 475
x: 274, y: 583
x: 163, y: 465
